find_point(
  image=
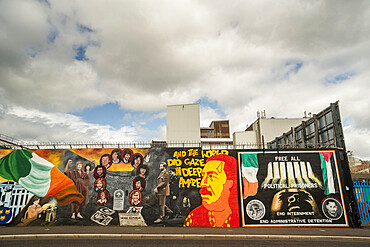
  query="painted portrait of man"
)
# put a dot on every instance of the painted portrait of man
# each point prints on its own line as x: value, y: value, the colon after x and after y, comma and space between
x: 100, y: 172
x: 162, y: 190
x: 139, y: 183
x: 332, y: 209
x: 219, y: 194
x: 127, y: 155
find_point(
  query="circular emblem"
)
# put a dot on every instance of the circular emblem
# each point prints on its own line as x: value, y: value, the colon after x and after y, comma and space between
x: 332, y: 209
x: 5, y: 215
x: 255, y: 209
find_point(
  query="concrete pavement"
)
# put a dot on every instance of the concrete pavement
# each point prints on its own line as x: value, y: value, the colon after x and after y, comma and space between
x: 165, y: 232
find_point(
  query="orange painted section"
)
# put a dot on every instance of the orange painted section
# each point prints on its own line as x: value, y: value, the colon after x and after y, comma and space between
x: 63, y: 188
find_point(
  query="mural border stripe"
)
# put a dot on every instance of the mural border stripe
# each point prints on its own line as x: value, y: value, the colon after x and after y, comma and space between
x: 184, y: 236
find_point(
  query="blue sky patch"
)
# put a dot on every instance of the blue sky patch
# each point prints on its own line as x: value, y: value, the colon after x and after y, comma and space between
x: 80, y: 53
x: 84, y: 29
x: 347, y: 122
x: 111, y: 114
x: 32, y: 52
x: 336, y: 79
x: 107, y: 114
x: 147, y: 124
x: 52, y: 35
x: 293, y: 67
x: 46, y: 2
x: 206, y: 102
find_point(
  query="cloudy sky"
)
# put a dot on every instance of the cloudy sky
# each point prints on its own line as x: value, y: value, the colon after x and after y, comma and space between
x: 105, y: 70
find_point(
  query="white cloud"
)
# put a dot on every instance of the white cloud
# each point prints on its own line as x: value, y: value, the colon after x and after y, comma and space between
x: 359, y: 139
x: 145, y: 55
x: 207, y: 115
x: 26, y: 124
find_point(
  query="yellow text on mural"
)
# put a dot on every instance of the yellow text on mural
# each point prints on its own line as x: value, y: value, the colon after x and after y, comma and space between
x: 189, y: 152
x: 190, y: 182
x: 210, y: 153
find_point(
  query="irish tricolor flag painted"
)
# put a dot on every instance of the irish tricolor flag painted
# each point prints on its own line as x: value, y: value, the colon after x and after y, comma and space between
x: 249, y: 173
x: 39, y: 176
x: 329, y: 173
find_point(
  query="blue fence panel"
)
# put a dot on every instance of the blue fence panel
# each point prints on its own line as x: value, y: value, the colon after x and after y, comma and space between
x: 362, y: 192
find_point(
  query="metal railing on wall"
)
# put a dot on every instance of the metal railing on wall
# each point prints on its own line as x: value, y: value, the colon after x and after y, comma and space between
x: 301, y: 145
x: 15, y: 144
x: 85, y: 145
x: 362, y: 193
x: 7, y: 142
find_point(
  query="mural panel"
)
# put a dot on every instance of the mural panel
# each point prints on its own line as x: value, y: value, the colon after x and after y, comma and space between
x: 291, y: 188
x: 169, y: 186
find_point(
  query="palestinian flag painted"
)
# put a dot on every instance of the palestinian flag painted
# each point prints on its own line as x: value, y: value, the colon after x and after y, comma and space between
x: 250, y: 167
x: 329, y: 173
x: 39, y: 176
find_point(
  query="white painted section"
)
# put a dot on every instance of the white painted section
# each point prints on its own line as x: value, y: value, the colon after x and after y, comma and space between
x: 243, y: 137
x: 274, y: 127
x: 217, y: 140
x: 183, y: 123
x: 250, y: 173
x: 269, y: 128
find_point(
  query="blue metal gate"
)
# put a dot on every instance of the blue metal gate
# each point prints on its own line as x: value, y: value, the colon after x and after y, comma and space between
x: 362, y: 193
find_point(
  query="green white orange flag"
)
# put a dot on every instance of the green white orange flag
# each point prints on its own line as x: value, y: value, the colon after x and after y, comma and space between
x: 39, y: 176
x: 249, y: 173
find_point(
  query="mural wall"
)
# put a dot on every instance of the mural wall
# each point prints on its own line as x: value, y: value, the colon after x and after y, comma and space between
x: 169, y: 186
